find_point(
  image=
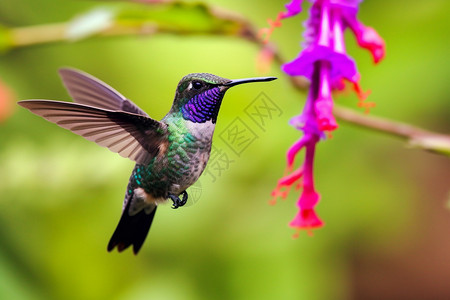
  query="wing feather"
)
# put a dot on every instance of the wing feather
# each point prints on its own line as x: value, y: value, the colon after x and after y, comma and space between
x: 88, y: 90
x: 131, y: 135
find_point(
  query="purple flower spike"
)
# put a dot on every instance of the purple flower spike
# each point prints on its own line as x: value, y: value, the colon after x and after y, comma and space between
x: 325, y: 62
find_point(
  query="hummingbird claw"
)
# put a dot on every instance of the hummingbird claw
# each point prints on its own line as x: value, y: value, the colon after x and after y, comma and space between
x: 177, y: 202
x: 185, y: 198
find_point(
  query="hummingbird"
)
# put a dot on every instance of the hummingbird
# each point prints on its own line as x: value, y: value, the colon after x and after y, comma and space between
x: 170, y: 154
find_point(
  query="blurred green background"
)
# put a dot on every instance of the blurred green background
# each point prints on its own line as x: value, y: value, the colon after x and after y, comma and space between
x: 384, y: 205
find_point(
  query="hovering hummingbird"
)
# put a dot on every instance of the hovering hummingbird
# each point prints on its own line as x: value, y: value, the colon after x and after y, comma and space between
x: 170, y: 154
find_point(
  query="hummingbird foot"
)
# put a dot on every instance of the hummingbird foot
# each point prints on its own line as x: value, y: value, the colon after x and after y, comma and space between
x: 177, y: 202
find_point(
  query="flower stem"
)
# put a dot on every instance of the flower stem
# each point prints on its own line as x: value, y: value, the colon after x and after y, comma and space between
x: 416, y: 137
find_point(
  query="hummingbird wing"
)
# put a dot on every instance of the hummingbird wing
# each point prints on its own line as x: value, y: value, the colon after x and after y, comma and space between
x: 131, y: 135
x: 88, y: 90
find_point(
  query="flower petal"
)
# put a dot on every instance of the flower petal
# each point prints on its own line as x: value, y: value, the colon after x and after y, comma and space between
x: 324, y: 112
x: 293, y: 8
x: 342, y: 66
x: 306, y: 219
x: 367, y: 37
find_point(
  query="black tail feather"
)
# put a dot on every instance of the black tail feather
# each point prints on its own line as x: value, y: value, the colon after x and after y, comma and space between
x: 131, y: 230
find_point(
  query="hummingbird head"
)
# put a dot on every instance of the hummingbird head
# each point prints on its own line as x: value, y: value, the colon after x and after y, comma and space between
x: 199, y: 95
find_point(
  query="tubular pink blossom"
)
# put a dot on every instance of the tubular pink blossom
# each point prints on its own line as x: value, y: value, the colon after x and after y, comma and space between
x: 367, y: 37
x: 324, y: 102
x: 294, y: 149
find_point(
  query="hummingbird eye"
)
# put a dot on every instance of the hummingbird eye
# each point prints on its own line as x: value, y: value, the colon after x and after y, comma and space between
x: 197, y: 85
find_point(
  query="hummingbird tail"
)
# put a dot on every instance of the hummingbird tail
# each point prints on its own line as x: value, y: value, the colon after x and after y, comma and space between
x: 131, y: 230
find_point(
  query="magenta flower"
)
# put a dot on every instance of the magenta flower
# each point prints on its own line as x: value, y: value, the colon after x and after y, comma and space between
x: 325, y: 62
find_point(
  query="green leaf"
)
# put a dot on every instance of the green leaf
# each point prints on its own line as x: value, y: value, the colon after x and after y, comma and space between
x: 179, y: 17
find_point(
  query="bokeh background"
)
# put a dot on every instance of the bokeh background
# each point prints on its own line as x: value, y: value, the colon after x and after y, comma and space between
x: 384, y: 204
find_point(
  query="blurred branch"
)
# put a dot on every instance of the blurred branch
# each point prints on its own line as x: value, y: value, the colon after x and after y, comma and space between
x: 33, y: 35
x: 177, y: 17
x: 416, y: 137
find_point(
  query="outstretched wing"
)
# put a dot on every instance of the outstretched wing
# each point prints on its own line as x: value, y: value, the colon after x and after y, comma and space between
x: 88, y: 90
x: 131, y: 135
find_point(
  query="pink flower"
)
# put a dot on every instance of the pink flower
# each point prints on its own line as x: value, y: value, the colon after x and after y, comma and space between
x: 306, y: 219
x: 6, y: 99
x: 325, y: 62
x: 366, y: 37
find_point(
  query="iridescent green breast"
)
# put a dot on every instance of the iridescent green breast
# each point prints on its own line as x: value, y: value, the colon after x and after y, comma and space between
x: 180, y: 163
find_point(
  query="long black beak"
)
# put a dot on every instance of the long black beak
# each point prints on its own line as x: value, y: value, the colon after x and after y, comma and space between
x: 247, y: 80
